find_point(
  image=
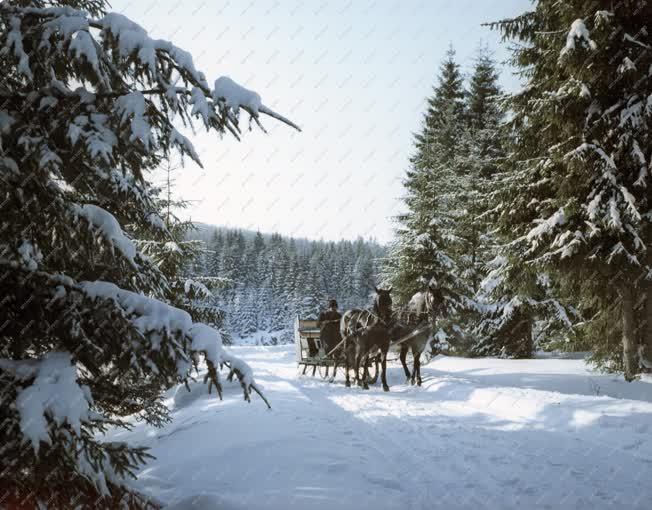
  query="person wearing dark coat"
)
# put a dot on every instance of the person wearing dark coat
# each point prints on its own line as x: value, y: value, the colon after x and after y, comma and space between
x: 329, y: 325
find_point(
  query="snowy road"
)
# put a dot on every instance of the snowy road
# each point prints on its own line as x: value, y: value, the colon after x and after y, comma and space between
x: 481, y: 433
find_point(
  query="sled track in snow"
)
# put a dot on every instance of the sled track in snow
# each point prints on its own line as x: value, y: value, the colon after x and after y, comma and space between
x: 477, y: 434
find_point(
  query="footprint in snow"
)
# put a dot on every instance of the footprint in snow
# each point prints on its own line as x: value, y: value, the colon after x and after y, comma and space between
x: 510, y: 482
x: 633, y: 445
x: 337, y: 467
x: 385, y: 482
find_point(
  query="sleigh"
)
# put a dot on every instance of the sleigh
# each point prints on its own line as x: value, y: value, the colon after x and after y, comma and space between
x: 310, y: 352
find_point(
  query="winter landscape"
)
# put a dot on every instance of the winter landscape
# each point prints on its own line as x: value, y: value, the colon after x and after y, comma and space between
x: 343, y: 255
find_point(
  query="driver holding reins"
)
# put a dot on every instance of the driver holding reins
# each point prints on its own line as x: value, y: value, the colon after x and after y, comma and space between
x: 329, y: 324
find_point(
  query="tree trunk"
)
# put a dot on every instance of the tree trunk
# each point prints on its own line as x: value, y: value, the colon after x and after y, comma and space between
x: 630, y: 358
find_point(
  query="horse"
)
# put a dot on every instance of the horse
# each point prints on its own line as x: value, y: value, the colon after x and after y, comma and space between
x: 415, y: 334
x: 357, y: 318
x: 421, y: 305
x: 412, y: 338
x: 363, y: 342
x: 366, y: 331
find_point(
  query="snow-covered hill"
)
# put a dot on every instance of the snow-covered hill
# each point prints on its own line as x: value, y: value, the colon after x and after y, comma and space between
x: 480, y: 433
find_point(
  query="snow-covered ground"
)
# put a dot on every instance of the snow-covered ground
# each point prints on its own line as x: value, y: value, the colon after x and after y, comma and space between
x: 263, y: 337
x: 480, y: 433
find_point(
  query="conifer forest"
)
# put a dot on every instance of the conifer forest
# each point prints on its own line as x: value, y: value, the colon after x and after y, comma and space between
x: 296, y: 255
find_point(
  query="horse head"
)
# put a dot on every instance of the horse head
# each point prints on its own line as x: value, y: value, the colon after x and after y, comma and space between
x: 431, y: 298
x: 383, y: 304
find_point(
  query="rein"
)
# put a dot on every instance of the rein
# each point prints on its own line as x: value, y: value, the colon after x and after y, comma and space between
x: 410, y: 335
x: 337, y: 346
x: 329, y: 320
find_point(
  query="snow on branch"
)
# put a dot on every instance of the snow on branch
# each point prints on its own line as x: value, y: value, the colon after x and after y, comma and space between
x: 132, y: 106
x: 610, y: 167
x: 15, y: 42
x: 150, y: 315
x: 53, y: 393
x: 109, y: 229
x: 209, y: 341
x: 133, y: 39
x: 234, y: 96
x: 578, y: 32
x: 192, y: 287
x: 547, y: 225
x: 158, y: 57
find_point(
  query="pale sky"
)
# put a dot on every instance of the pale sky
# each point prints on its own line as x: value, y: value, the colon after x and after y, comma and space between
x: 353, y: 74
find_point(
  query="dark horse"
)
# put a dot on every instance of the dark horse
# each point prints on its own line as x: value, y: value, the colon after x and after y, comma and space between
x: 415, y: 333
x: 365, y: 332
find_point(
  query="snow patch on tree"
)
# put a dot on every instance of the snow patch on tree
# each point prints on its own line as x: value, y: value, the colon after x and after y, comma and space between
x: 108, y: 227
x: 235, y: 96
x: 54, y: 392
x: 578, y: 32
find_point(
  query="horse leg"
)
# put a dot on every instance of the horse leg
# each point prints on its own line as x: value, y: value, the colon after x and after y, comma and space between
x: 358, y: 359
x: 332, y: 379
x: 377, y: 362
x: 361, y: 362
x: 346, y: 371
x: 415, y: 364
x: 365, y: 372
x: 416, y: 355
x: 383, y: 376
x: 403, y: 356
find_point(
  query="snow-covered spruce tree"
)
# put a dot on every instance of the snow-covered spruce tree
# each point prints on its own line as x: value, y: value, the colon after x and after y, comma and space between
x: 478, y: 152
x: 505, y: 319
x: 214, y: 254
x: 576, y: 193
x: 422, y: 252
x: 473, y: 166
x: 518, y: 309
x: 87, y: 107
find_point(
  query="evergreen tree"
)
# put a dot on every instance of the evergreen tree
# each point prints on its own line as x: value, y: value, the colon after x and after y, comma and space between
x: 505, y: 312
x: 479, y: 151
x: 214, y: 254
x: 576, y: 182
x: 88, y: 101
x: 423, y: 252
x: 259, y: 243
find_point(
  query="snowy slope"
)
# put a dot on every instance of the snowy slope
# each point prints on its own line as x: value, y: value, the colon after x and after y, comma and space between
x: 480, y: 433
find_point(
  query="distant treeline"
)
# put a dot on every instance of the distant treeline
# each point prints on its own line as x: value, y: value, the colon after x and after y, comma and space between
x: 265, y: 281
